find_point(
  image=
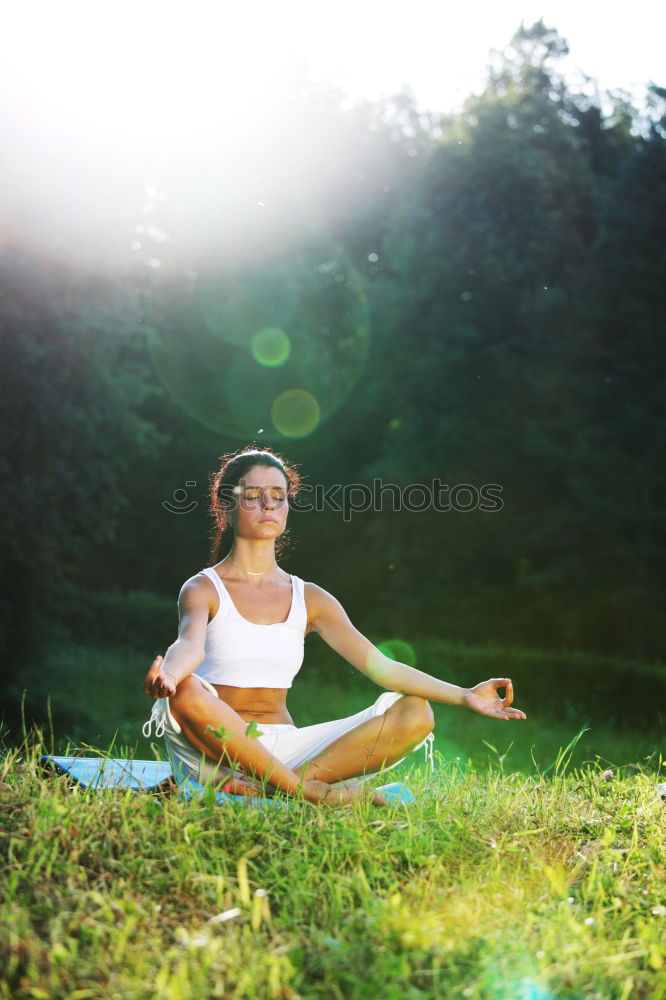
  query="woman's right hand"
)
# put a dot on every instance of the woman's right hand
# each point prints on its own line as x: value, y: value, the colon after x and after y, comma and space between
x: 320, y: 793
x: 157, y: 684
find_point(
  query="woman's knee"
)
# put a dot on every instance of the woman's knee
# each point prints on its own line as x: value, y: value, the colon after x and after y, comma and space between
x: 416, y: 716
x: 190, y: 697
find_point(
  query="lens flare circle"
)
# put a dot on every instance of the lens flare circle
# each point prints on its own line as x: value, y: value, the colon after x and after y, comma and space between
x: 283, y: 342
x: 398, y: 649
x: 295, y: 413
x: 271, y: 347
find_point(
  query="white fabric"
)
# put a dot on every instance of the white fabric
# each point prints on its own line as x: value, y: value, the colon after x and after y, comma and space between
x: 239, y: 653
x: 289, y: 744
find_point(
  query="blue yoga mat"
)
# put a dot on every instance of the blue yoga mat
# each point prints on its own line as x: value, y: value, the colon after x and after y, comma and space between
x: 139, y: 775
x: 103, y: 772
x: 144, y: 775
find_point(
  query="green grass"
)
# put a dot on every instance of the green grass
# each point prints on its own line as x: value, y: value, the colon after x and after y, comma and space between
x: 494, y: 884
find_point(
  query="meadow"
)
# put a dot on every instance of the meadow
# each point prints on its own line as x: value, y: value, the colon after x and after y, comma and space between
x: 523, y: 871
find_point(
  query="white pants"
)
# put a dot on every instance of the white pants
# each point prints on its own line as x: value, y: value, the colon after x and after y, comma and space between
x: 289, y: 744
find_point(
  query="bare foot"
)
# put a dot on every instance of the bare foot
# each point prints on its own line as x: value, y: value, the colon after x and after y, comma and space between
x: 242, y: 786
x: 323, y: 794
x: 362, y: 792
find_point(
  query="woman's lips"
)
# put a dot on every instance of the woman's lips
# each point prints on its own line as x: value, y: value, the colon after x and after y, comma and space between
x: 267, y: 520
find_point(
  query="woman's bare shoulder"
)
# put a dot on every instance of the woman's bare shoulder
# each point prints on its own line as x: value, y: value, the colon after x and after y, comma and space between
x: 197, y: 583
x: 197, y: 578
x: 198, y: 591
x: 318, y: 601
x: 317, y: 593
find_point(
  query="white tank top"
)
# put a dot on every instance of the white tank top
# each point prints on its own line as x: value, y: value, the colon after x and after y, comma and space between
x: 240, y: 653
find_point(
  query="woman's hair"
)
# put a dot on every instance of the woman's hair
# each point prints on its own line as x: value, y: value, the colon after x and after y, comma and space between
x: 233, y: 468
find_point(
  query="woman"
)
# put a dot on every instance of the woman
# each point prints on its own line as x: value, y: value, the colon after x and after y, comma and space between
x: 240, y: 644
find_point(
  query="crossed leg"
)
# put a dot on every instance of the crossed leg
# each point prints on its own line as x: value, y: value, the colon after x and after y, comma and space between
x: 378, y: 742
x: 201, y: 715
x: 374, y: 744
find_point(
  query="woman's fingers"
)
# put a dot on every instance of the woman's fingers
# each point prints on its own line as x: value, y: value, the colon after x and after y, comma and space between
x: 511, y: 713
x: 507, y: 684
x: 164, y: 687
x: 499, y: 711
x: 152, y: 685
x: 149, y: 683
x: 485, y: 699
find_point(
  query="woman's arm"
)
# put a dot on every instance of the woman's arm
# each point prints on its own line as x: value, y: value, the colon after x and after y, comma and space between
x: 329, y: 619
x: 185, y: 654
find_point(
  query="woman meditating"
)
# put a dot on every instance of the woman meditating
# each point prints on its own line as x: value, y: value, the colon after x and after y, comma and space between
x: 241, y: 643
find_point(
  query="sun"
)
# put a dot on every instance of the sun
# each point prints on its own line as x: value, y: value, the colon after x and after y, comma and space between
x: 102, y: 103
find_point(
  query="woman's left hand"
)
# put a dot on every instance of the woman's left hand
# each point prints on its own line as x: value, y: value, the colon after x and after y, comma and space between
x: 158, y: 684
x: 484, y: 699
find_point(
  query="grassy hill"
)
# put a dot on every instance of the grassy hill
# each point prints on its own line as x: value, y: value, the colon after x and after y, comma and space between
x: 492, y: 885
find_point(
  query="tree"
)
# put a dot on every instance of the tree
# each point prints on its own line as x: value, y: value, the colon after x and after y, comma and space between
x: 75, y: 383
x: 494, y: 313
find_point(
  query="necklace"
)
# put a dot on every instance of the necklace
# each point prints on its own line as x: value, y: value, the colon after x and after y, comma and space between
x: 248, y: 571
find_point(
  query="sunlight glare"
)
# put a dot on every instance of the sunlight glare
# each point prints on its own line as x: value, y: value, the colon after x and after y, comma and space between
x: 102, y: 103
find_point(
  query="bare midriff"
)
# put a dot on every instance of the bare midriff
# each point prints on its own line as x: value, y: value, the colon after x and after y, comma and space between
x: 267, y: 705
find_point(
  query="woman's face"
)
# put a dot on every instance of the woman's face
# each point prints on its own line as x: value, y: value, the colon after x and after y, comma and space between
x: 262, y: 503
